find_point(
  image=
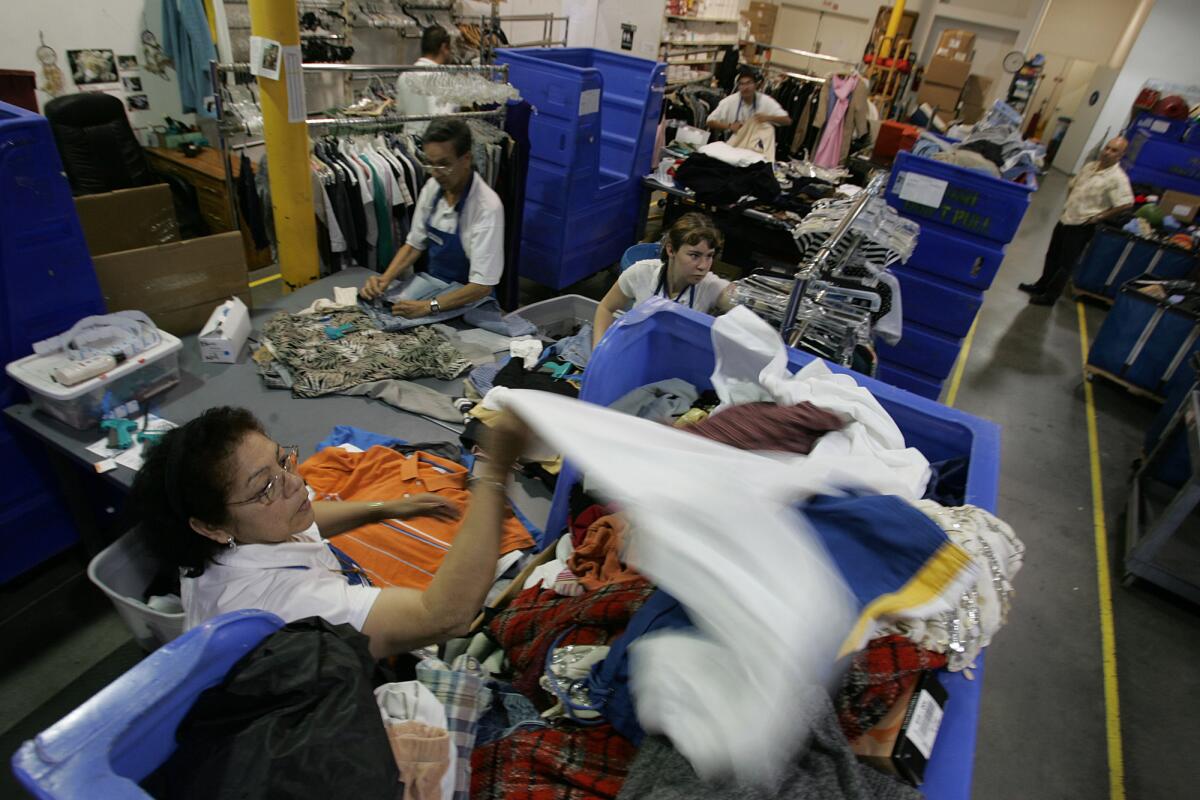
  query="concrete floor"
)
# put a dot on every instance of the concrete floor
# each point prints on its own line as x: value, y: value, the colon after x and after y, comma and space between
x: 1042, y: 731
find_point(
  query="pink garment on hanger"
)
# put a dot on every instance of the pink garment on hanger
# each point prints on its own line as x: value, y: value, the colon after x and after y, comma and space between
x: 829, y: 151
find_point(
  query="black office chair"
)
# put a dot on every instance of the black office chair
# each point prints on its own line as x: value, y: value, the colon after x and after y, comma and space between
x: 97, y: 146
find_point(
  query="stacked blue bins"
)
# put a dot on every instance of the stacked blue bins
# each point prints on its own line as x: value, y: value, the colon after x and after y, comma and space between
x: 1163, y: 160
x: 966, y: 219
x: 1172, y: 464
x: 591, y: 141
x: 46, y: 284
x: 1145, y: 342
x: 1114, y: 257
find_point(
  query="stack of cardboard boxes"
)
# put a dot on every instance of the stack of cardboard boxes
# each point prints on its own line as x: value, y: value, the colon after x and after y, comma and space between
x: 761, y: 21
x: 947, y: 73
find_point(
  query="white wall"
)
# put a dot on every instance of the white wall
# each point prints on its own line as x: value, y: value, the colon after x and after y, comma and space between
x: 1165, y: 49
x: 597, y: 23
x: 73, y: 25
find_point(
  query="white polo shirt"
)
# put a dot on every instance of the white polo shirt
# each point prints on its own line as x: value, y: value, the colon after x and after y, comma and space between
x: 641, y: 281
x: 482, y: 225
x: 294, y: 580
x: 734, y: 109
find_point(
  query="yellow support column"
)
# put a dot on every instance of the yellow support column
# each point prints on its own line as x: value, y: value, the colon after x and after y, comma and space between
x: 885, y: 47
x: 287, y: 151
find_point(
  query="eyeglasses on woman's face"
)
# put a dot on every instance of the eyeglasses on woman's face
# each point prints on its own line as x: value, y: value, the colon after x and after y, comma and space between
x: 288, y: 458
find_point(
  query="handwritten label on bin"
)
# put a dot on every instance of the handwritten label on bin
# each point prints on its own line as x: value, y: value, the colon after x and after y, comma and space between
x: 589, y: 102
x: 921, y: 189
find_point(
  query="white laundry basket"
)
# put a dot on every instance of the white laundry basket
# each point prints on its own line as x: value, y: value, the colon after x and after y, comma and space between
x: 123, y: 571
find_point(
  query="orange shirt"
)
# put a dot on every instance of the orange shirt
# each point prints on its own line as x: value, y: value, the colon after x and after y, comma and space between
x: 399, y: 552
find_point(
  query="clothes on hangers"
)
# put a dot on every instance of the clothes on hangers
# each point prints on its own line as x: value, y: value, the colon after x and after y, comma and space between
x: 842, y: 116
x: 409, y: 101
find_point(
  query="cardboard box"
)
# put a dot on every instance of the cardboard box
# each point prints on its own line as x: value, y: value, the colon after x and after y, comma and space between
x: 142, y: 264
x: 958, y: 45
x: 1180, y: 205
x: 975, y: 90
x: 970, y: 113
x: 902, y: 742
x: 176, y: 284
x: 225, y: 333
x: 127, y: 219
x: 761, y: 17
x: 942, y: 98
x: 947, y: 72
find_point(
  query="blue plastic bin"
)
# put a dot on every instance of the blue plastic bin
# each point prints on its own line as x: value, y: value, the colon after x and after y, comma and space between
x: 970, y: 201
x: 923, y: 350
x: 934, y: 303
x: 1152, y: 125
x: 1115, y: 257
x: 1173, y: 464
x: 1163, y: 155
x: 657, y: 340
x: 908, y: 380
x: 46, y: 284
x: 591, y: 141
x: 968, y: 260
x: 1145, y: 176
x: 117, y: 738
x: 1144, y: 341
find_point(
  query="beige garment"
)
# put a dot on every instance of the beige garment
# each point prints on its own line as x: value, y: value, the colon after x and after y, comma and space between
x: 1094, y: 191
x: 422, y: 753
x: 756, y: 136
x: 856, y: 114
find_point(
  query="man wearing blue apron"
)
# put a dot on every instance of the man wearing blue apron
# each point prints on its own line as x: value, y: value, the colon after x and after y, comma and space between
x: 458, y: 222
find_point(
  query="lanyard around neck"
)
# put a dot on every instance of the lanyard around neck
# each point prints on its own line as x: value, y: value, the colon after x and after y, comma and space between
x: 741, y: 102
x: 665, y: 291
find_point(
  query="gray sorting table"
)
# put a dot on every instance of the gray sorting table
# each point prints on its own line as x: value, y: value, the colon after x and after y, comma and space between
x: 289, y: 420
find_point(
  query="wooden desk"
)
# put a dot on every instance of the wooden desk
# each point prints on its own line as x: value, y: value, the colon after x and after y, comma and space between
x: 206, y: 175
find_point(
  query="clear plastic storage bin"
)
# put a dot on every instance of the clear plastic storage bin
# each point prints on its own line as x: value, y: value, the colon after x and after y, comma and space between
x: 82, y: 406
x: 558, y: 316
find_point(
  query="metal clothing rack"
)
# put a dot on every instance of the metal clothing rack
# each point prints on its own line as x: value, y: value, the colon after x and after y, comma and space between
x: 769, y: 48
x: 816, y: 266
x: 218, y: 70
x: 781, y: 69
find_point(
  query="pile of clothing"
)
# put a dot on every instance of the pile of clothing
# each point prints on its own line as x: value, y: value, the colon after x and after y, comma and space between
x: 993, y: 145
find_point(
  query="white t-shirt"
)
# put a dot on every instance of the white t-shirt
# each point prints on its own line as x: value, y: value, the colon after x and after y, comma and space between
x: 641, y: 281
x: 1094, y: 191
x: 482, y: 221
x: 294, y: 580
x: 410, y: 102
x: 734, y: 109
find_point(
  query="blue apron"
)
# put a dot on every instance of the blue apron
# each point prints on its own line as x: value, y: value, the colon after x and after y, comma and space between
x: 447, y: 259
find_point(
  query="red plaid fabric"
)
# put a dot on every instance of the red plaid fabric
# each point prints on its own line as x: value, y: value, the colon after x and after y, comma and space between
x: 766, y: 426
x: 529, y: 626
x: 876, y: 678
x: 552, y: 764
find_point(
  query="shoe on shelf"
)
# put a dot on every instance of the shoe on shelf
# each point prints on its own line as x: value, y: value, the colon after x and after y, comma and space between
x: 1042, y: 300
x: 1029, y: 288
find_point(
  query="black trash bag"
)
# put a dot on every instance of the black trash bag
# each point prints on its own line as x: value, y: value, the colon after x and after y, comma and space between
x: 296, y: 717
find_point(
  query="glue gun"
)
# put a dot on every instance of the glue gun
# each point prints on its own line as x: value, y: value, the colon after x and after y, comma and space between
x: 119, y: 432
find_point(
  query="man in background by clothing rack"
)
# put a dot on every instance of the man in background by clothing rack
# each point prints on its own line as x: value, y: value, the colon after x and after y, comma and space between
x: 746, y: 105
x: 435, y: 52
x: 1100, y: 191
x: 458, y: 222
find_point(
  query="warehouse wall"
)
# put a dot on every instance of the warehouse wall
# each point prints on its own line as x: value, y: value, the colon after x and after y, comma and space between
x: 112, y: 25
x: 1165, y: 49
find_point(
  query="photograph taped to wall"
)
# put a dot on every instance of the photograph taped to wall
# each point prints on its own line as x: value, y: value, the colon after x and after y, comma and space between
x: 92, y: 66
x: 127, y: 63
x: 133, y: 84
x: 137, y: 102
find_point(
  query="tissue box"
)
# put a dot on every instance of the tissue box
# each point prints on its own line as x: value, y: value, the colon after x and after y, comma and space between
x: 222, y: 337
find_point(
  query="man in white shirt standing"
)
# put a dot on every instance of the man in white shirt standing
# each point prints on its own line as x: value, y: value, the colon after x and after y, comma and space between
x: 435, y: 51
x: 745, y: 105
x: 458, y: 222
x: 1101, y: 190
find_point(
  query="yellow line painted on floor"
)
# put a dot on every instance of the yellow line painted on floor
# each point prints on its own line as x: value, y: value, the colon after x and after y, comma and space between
x: 1108, y: 639
x: 267, y: 279
x: 961, y: 365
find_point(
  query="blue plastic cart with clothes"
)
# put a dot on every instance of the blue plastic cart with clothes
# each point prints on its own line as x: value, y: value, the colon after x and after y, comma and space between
x: 110, y: 743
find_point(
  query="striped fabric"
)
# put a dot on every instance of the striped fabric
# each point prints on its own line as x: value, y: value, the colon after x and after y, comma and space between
x: 462, y: 690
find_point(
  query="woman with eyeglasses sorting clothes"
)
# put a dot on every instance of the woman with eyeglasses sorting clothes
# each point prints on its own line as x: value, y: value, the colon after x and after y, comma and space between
x: 223, y: 502
x: 458, y: 222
